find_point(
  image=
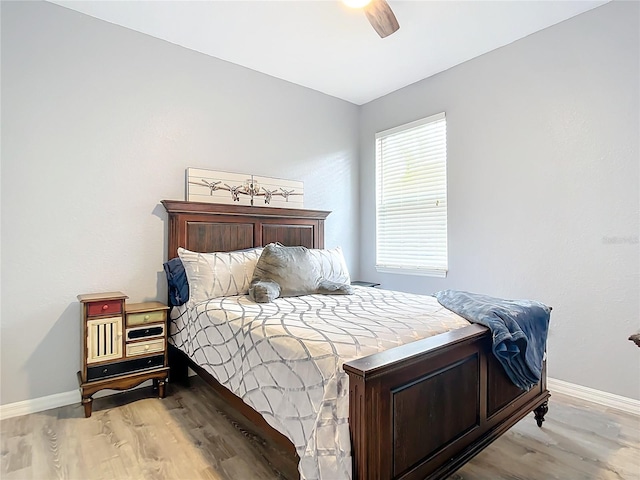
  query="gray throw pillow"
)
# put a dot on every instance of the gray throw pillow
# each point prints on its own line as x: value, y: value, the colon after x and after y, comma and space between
x: 290, y: 272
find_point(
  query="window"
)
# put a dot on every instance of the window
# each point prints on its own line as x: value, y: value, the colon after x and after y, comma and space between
x: 411, y: 198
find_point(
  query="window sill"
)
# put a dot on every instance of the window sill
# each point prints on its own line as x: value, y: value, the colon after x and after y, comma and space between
x: 422, y: 272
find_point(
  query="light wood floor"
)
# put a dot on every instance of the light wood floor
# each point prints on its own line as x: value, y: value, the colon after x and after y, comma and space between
x: 191, y: 435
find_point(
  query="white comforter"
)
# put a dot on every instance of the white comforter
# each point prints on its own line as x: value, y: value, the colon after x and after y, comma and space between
x: 285, y: 358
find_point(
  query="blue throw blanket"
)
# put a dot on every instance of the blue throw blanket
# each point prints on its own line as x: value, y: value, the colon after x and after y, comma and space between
x: 176, y: 281
x: 519, y: 329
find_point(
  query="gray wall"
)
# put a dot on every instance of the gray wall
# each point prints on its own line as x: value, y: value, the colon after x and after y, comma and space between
x: 98, y: 125
x: 543, y: 185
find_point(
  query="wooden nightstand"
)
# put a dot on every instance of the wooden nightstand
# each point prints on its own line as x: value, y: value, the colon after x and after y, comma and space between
x: 122, y: 345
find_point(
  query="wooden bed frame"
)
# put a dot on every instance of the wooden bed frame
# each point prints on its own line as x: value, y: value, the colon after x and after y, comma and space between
x: 416, y: 411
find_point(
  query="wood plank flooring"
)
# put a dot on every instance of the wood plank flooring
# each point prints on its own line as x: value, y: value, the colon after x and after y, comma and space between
x: 193, y: 435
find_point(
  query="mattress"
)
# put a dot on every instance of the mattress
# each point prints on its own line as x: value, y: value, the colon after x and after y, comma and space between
x: 285, y: 358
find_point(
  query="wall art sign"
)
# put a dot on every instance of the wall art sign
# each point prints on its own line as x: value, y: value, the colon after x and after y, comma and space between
x: 212, y: 186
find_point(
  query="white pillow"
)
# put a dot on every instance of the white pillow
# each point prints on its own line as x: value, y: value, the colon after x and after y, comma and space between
x: 332, y: 265
x: 218, y: 274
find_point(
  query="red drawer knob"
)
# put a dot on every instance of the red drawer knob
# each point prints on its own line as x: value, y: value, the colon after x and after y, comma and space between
x: 104, y: 307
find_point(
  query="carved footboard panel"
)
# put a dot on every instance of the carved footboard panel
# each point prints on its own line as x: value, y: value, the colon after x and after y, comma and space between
x: 424, y: 409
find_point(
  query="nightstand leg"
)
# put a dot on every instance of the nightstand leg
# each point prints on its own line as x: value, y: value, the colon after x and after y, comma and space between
x: 161, y: 388
x: 87, y: 404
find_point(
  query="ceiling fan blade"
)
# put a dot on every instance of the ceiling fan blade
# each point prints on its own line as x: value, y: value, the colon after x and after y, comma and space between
x: 381, y: 17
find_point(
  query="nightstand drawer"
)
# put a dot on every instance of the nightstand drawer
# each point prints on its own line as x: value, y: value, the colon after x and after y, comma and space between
x: 146, y: 317
x: 104, y: 308
x: 142, y: 348
x: 112, y: 369
x: 140, y: 333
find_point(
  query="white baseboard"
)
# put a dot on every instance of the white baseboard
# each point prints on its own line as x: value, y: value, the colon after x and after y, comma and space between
x: 628, y: 405
x: 611, y: 400
x: 41, y: 404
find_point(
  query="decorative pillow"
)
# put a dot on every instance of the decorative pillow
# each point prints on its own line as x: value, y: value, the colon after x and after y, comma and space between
x: 177, y: 281
x: 218, y: 274
x: 333, y: 267
x: 290, y: 272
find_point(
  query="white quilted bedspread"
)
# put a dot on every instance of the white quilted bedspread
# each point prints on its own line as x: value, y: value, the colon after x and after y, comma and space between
x: 285, y: 358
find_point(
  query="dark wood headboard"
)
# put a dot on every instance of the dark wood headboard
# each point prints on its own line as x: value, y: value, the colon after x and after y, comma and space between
x: 210, y: 227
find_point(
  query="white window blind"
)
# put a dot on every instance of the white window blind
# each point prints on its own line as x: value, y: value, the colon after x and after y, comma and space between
x: 411, y: 198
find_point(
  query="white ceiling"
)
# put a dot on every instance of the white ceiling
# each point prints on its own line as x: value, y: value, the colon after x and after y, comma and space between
x: 331, y: 48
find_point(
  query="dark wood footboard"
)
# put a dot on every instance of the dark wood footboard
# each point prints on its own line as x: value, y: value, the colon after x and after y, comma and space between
x: 424, y: 409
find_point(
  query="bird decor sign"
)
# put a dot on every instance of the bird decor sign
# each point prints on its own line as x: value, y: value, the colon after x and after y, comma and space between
x: 212, y: 186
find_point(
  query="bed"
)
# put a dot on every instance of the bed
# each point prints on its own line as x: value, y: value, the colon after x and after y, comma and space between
x: 419, y: 410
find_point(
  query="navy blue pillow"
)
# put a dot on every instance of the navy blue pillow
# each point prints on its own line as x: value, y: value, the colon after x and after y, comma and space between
x: 177, y: 280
